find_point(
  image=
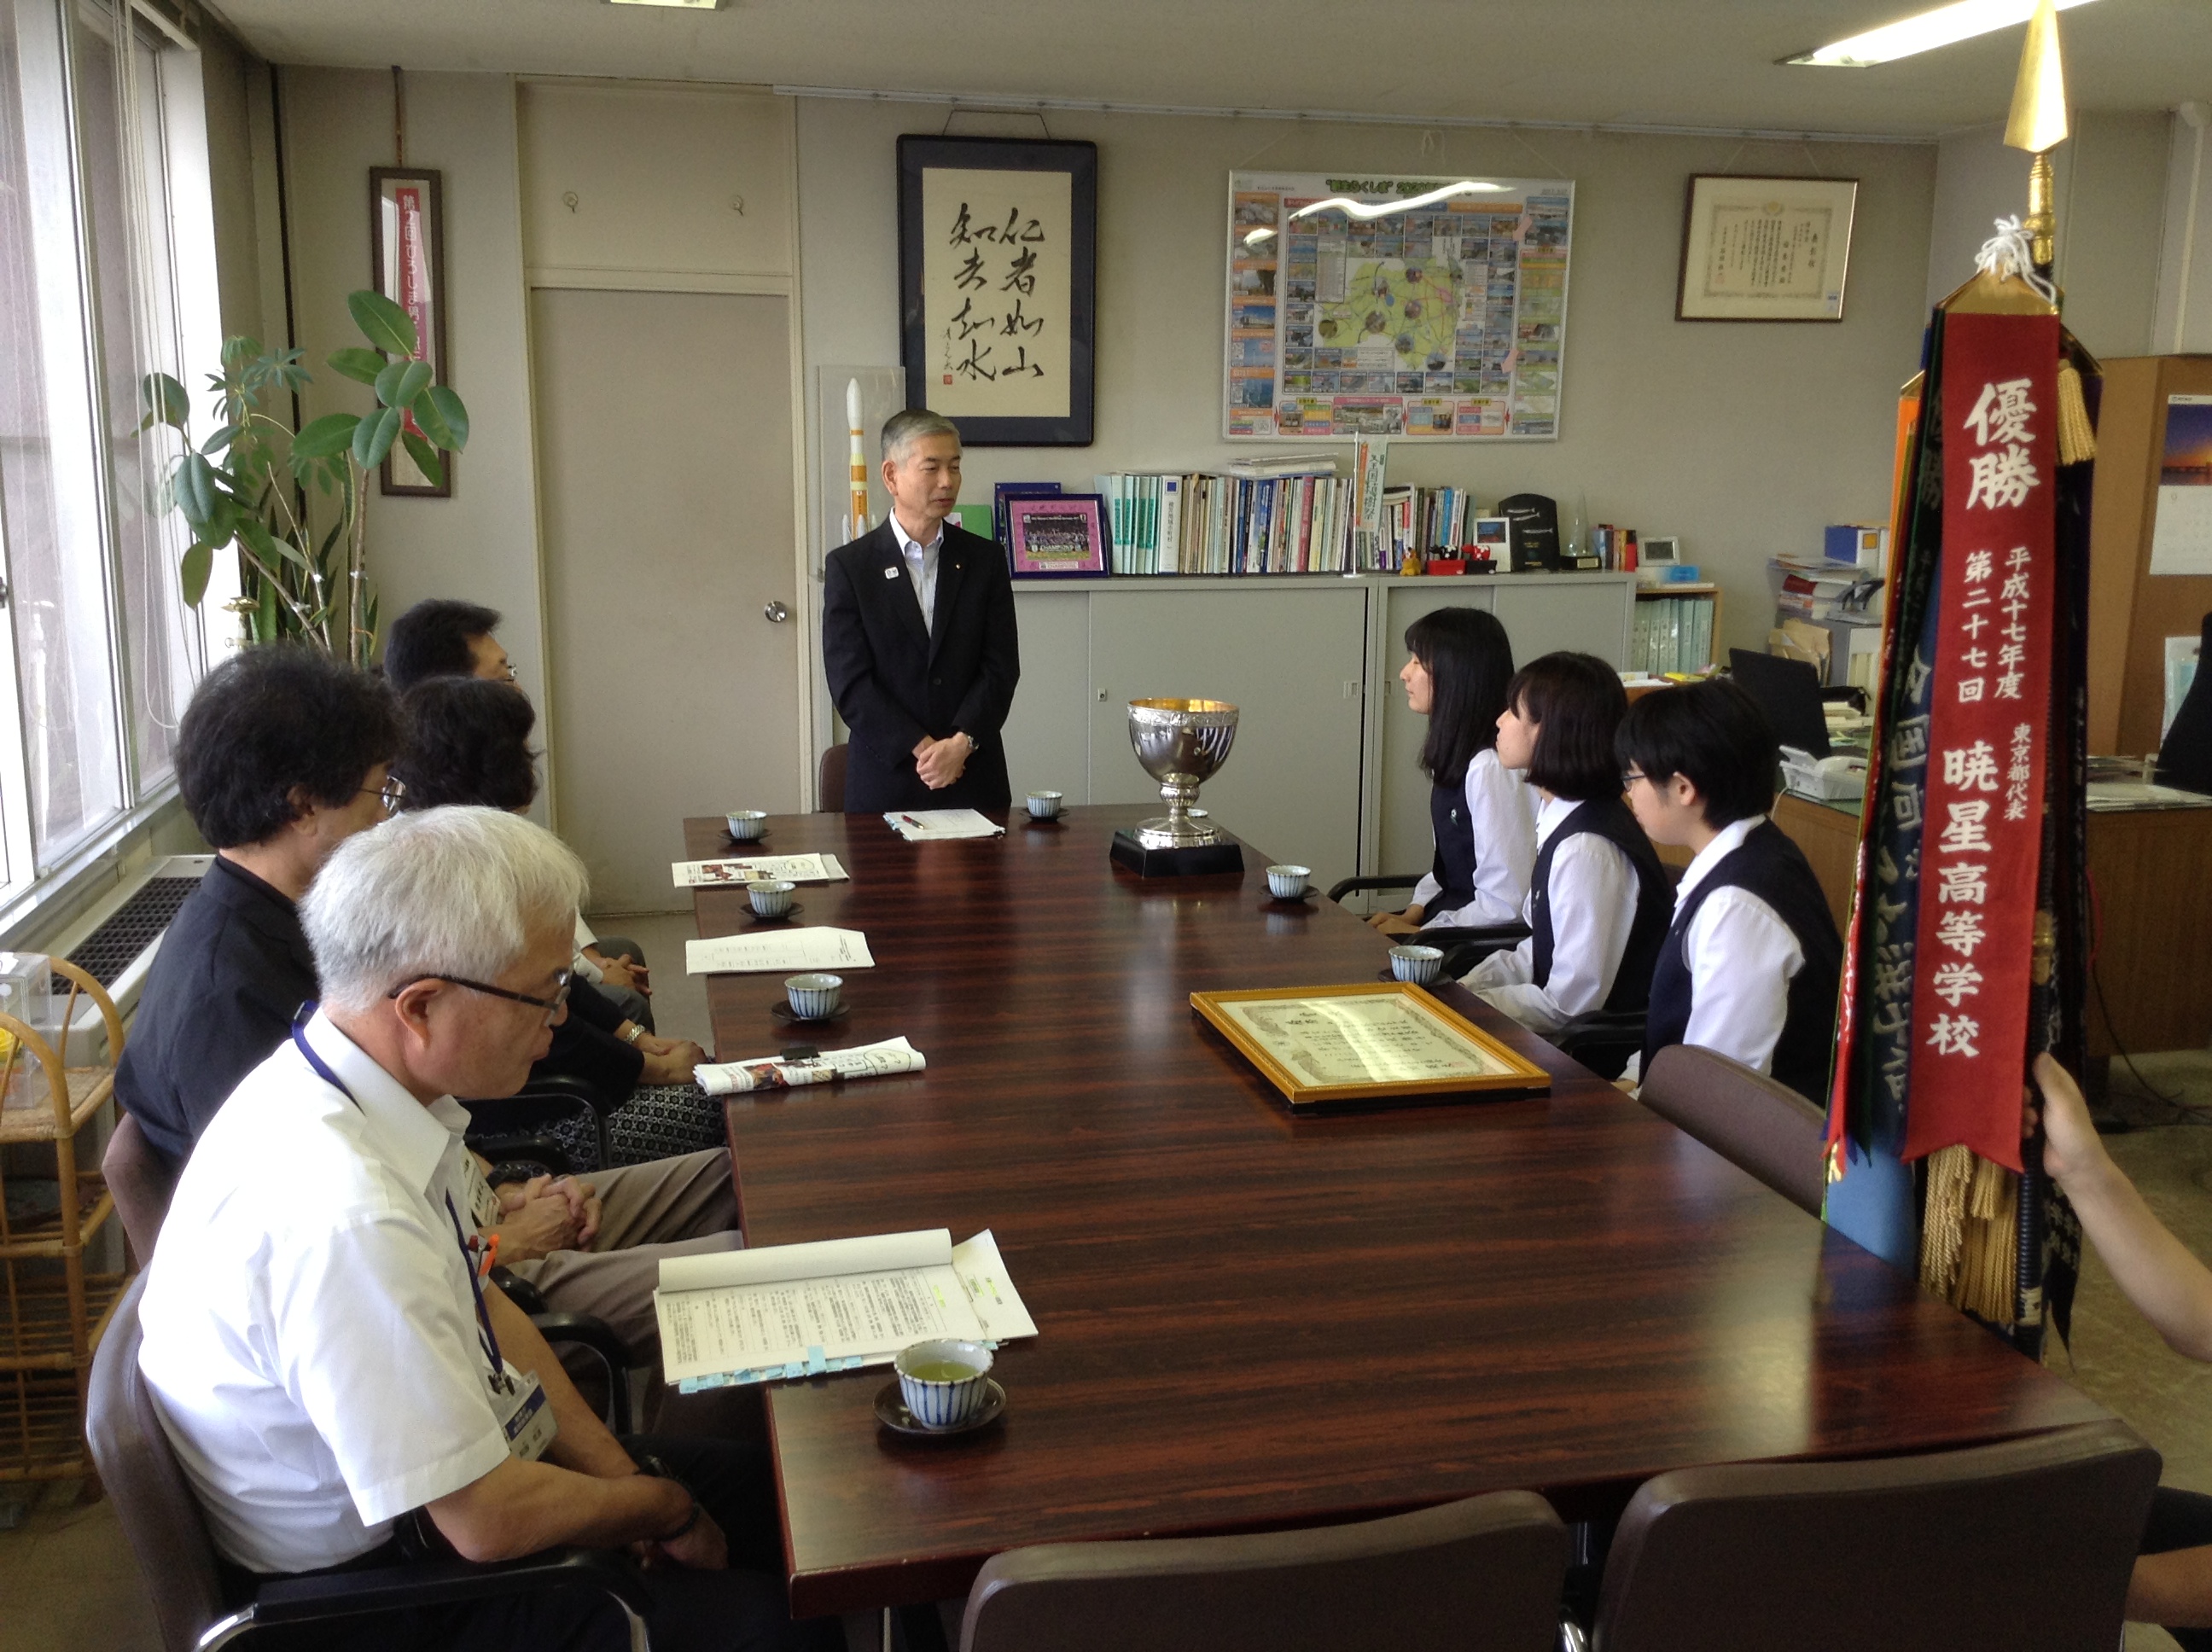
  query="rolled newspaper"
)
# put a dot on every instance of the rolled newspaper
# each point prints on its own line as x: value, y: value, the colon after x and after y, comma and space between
x: 892, y: 1055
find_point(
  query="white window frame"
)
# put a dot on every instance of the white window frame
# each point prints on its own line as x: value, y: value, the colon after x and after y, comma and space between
x: 54, y: 137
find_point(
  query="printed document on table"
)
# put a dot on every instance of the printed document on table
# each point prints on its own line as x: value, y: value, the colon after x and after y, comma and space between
x: 932, y: 825
x: 762, y: 951
x: 836, y: 1304
x: 739, y: 871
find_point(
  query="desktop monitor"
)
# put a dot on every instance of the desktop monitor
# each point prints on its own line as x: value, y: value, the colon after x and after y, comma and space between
x: 1789, y: 692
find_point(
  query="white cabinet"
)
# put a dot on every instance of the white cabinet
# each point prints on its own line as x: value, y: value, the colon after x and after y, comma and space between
x: 1323, y: 769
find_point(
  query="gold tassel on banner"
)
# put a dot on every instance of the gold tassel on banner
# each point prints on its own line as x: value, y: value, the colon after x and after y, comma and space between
x: 1969, y: 1233
x: 2077, y: 438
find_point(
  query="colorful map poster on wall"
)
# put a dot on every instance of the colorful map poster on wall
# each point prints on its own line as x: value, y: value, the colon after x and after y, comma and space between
x: 1407, y: 307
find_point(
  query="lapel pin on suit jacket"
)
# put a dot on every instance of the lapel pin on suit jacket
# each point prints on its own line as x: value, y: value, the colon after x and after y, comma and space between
x: 891, y: 574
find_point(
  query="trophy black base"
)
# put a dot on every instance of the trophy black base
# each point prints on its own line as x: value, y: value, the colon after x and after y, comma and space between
x: 1198, y: 860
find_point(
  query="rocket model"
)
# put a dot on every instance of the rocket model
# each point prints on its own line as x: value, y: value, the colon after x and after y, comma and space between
x: 859, y: 525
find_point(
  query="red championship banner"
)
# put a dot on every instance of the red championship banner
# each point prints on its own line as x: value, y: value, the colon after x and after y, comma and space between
x: 1982, y: 831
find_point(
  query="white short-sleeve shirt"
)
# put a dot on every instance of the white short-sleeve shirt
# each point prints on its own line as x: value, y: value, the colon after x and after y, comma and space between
x: 310, y: 1340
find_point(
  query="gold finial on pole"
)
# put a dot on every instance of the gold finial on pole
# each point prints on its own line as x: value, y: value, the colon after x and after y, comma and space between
x: 2037, y: 124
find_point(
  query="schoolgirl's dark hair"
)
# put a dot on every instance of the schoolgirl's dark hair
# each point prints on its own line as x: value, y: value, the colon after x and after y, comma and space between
x: 1714, y: 733
x: 1469, y: 659
x: 1577, y: 702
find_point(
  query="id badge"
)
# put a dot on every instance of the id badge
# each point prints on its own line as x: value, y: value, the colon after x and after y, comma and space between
x: 483, y: 1200
x: 523, y: 1413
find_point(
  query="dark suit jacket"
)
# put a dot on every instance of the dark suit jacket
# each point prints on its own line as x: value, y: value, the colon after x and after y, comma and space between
x: 894, y: 681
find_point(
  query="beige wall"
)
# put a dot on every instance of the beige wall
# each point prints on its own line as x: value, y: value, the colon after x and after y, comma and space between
x: 2111, y: 176
x: 482, y: 543
x: 1743, y: 439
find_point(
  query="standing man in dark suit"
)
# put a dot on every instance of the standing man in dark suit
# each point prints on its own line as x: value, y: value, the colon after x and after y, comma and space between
x: 918, y: 639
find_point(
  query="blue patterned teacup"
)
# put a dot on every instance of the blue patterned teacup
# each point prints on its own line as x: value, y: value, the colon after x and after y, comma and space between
x: 1420, y: 964
x: 935, y: 1399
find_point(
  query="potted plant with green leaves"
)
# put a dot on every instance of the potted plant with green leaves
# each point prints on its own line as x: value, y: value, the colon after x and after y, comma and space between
x: 248, y: 485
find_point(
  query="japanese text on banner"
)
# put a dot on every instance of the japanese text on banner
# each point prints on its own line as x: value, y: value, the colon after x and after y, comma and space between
x: 1982, y: 808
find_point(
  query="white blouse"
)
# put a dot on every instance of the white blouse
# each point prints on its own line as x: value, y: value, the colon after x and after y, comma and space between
x: 1501, y: 818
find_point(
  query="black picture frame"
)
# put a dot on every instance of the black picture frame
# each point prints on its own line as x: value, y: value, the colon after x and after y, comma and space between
x: 384, y: 184
x: 919, y: 153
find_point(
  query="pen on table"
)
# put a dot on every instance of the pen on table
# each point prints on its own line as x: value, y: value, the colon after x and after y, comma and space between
x: 912, y: 822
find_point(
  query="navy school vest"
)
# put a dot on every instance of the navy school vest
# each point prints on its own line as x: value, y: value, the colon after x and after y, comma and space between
x: 1609, y: 818
x: 1455, y: 859
x: 1769, y: 864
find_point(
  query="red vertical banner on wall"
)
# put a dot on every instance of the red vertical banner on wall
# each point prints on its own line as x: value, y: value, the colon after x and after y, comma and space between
x: 1981, y: 811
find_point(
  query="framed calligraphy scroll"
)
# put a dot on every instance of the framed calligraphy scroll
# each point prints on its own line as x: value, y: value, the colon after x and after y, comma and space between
x: 407, y: 264
x: 1766, y: 249
x: 1331, y: 1049
x: 998, y: 286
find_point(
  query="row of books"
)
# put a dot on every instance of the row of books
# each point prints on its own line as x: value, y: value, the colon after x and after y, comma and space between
x: 1236, y: 523
x: 1672, y: 633
x: 1209, y: 523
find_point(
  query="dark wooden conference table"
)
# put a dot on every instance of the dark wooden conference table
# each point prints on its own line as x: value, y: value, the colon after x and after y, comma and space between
x: 1251, y: 1320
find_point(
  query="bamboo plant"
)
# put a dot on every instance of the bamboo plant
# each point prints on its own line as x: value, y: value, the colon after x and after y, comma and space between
x: 302, y: 569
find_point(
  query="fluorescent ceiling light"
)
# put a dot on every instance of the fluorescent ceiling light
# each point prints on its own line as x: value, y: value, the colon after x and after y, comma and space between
x: 681, y: 5
x: 1363, y: 210
x: 1941, y: 27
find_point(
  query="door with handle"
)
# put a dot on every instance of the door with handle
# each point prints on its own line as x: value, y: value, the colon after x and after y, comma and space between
x: 668, y: 507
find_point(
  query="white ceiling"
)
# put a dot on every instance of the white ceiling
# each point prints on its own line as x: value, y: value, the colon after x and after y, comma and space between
x: 1689, y: 63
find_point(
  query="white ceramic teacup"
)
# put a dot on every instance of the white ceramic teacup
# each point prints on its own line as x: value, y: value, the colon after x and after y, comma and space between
x: 813, y: 997
x: 1416, y: 964
x: 936, y: 1399
x: 747, y: 824
x: 1288, y: 883
x: 1045, y: 805
x: 771, y: 896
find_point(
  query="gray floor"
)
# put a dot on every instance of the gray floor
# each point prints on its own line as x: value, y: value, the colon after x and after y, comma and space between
x: 68, y: 1582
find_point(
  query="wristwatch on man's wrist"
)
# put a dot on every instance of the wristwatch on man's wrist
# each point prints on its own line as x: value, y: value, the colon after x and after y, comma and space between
x: 651, y: 1465
x: 636, y: 1031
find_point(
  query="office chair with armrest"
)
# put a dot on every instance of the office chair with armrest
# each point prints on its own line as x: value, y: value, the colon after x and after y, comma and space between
x: 1757, y: 1123
x: 516, y: 1127
x: 2027, y: 1544
x: 830, y: 779
x: 141, y: 1181
x: 1482, y: 1573
x: 1462, y: 948
x: 1603, y: 1040
x: 168, y: 1535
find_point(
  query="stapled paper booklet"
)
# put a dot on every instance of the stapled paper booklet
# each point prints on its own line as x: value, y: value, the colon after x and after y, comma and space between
x: 764, y: 951
x: 795, y: 1311
x: 744, y: 868
x: 877, y: 1061
x: 932, y: 825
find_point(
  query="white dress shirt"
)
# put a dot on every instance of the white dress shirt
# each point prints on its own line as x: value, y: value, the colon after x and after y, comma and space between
x: 1593, y: 896
x: 1503, y: 819
x: 921, y: 568
x: 1742, y: 958
x: 310, y: 1341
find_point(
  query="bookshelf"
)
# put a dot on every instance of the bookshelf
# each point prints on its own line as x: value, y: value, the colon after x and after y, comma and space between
x: 1677, y: 628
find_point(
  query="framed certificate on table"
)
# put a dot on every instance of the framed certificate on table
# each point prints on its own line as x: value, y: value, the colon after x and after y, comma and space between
x: 1332, y: 1048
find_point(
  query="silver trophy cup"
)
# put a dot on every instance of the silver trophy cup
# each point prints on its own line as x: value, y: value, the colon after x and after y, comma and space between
x: 1180, y: 742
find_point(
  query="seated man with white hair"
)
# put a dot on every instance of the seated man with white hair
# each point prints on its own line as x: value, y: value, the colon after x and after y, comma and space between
x: 340, y: 1387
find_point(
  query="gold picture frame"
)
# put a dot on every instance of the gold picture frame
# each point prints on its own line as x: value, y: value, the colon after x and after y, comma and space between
x: 1331, y: 1049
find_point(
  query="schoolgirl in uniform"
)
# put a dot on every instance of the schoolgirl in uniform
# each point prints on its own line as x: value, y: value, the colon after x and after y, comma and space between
x: 1458, y: 663
x: 1752, y: 956
x: 1598, y: 899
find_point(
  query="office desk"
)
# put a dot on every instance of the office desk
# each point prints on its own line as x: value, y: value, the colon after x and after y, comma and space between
x: 2150, y: 878
x: 1252, y: 1321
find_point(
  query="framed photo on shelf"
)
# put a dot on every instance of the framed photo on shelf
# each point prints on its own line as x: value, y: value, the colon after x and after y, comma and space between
x: 1057, y: 537
x: 1333, y: 1049
x: 998, y: 286
x: 407, y: 264
x: 1766, y: 249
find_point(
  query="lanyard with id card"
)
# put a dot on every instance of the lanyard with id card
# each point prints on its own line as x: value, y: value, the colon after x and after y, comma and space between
x: 518, y: 1399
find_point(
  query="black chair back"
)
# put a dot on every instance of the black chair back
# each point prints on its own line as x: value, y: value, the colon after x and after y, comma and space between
x: 141, y: 1182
